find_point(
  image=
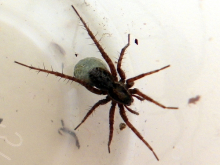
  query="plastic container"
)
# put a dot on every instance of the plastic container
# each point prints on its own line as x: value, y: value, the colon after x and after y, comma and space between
x: 48, y: 33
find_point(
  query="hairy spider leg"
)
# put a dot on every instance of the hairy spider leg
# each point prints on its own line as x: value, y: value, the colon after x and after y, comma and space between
x: 130, y: 81
x: 100, y: 102
x: 124, y: 117
x: 111, y: 124
x: 120, y: 71
x: 104, y: 54
x: 138, y: 92
x: 61, y: 75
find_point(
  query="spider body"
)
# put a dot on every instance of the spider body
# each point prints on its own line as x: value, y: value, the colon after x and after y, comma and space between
x: 120, y: 93
x: 94, y: 71
x: 103, y: 80
x: 95, y: 77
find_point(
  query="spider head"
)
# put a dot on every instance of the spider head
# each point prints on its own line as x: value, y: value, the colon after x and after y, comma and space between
x: 120, y: 93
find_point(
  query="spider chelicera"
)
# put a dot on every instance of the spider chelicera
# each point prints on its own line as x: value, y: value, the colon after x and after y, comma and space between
x: 104, y: 82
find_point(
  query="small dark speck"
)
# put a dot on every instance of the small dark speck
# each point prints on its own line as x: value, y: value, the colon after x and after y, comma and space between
x: 136, y: 41
x: 16, y: 110
x: 52, y: 121
x: 76, y: 54
x: 193, y: 100
x: 122, y: 126
x: 1, y: 120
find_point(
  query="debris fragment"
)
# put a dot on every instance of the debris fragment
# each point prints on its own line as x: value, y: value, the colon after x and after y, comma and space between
x: 193, y: 100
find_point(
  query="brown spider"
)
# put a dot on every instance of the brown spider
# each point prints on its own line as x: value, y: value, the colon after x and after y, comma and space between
x: 103, y: 82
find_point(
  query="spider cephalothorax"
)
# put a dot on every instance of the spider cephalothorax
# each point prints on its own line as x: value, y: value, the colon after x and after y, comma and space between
x: 97, y: 79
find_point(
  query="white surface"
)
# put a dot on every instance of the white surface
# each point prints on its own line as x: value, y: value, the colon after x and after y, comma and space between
x: 180, y: 33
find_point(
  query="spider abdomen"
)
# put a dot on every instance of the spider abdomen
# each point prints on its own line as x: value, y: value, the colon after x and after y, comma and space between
x: 101, y: 78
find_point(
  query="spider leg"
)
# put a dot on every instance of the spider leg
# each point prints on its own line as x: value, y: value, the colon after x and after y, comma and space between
x: 124, y: 117
x: 120, y: 71
x: 130, y: 110
x: 139, y: 98
x: 130, y: 81
x: 61, y: 75
x: 104, y: 54
x: 100, y: 102
x: 111, y: 123
x: 136, y: 91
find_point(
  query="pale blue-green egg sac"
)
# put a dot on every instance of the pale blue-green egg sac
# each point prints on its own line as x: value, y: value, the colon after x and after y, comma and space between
x: 84, y: 66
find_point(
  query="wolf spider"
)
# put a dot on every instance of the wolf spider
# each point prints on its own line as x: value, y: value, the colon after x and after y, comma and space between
x: 118, y: 92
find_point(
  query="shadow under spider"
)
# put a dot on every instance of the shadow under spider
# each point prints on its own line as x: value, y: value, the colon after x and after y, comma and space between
x: 68, y: 131
x: 107, y: 83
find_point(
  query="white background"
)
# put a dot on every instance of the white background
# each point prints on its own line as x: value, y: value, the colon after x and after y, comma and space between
x: 184, y: 34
